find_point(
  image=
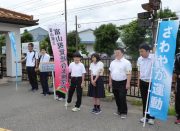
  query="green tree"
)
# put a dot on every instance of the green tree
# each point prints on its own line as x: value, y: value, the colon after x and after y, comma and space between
x: 71, y: 44
x: 166, y: 13
x: 106, y: 37
x: 45, y: 43
x: 26, y: 37
x: 132, y: 36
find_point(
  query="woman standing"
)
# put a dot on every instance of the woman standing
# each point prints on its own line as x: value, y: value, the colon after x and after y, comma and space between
x: 96, y: 87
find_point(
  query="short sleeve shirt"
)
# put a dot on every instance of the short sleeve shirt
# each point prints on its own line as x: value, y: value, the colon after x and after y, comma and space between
x: 31, y: 58
x: 77, y: 70
x: 119, y: 69
x: 97, y: 68
x: 145, y: 66
x: 45, y: 58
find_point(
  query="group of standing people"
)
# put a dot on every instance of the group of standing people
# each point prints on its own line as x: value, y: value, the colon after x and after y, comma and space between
x: 33, y: 62
x: 119, y: 79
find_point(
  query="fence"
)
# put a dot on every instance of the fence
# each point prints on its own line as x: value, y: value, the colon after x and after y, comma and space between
x: 133, y: 91
x: 1, y: 68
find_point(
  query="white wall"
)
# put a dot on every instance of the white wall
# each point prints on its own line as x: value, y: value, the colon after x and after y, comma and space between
x: 87, y: 35
x: 90, y: 48
x: 10, y: 58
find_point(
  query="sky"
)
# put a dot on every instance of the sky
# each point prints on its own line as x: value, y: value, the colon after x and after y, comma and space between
x: 90, y: 13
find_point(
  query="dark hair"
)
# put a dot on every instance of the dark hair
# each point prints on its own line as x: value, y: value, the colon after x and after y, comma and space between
x: 31, y: 44
x: 145, y: 47
x: 120, y: 49
x: 43, y: 49
x: 97, y: 57
x: 77, y: 54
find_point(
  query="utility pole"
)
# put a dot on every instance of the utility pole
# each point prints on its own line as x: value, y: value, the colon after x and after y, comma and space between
x: 65, y: 14
x: 148, y: 19
x: 76, y: 33
x: 154, y: 27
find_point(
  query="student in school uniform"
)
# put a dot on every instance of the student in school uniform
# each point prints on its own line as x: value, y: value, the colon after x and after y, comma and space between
x: 96, y: 87
x: 31, y: 66
x: 144, y: 64
x: 44, y: 58
x: 77, y: 71
x: 119, y: 80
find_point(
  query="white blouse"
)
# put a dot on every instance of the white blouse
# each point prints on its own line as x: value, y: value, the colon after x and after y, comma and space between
x: 97, y: 68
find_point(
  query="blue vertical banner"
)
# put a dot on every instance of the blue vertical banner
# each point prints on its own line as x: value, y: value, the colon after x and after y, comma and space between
x: 163, y: 69
x: 13, y: 45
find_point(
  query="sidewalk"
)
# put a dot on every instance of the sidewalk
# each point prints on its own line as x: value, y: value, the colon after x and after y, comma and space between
x: 26, y: 111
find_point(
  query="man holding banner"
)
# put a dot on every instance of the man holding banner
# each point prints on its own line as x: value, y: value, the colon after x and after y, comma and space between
x: 177, y: 100
x: 144, y: 64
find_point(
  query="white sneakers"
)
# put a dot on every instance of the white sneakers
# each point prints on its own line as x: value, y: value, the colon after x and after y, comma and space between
x: 60, y: 99
x: 75, y: 109
x: 123, y: 116
x: 142, y: 120
x: 66, y: 104
x: 149, y: 121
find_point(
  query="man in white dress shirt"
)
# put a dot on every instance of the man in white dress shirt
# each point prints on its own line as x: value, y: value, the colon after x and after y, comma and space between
x: 31, y: 66
x: 119, y: 80
x: 144, y: 64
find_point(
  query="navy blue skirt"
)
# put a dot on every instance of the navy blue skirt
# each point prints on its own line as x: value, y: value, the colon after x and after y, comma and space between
x: 98, y: 91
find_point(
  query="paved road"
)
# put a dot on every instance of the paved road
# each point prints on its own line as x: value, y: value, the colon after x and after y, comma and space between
x: 26, y: 111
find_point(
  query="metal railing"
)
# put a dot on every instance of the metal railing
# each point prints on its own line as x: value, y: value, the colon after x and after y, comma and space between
x: 133, y: 91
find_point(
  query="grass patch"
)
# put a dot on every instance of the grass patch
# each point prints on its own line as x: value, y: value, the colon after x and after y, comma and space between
x: 107, y: 93
x: 136, y: 103
x: 171, y: 111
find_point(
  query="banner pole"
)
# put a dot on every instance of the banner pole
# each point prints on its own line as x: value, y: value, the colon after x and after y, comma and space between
x: 16, y: 70
x: 149, y: 88
x: 66, y: 100
x: 16, y: 75
x: 54, y: 86
x: 65, y: 17
x: 67, y: 89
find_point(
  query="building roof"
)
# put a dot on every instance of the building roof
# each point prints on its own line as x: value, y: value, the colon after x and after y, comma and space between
x: 38, y: 28
x: 86, y: 30
x: 12, y: 17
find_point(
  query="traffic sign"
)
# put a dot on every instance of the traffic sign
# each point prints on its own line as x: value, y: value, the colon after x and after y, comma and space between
x: 144, y: 23
x: 144, y: 15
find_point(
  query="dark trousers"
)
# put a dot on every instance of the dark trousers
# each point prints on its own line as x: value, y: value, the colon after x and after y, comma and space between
x: 177, y: 99
x: 75, y: 84
x: 44, y: 82
x: 120, y: 91
x: 144, y: 93
x: 32, y: 77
